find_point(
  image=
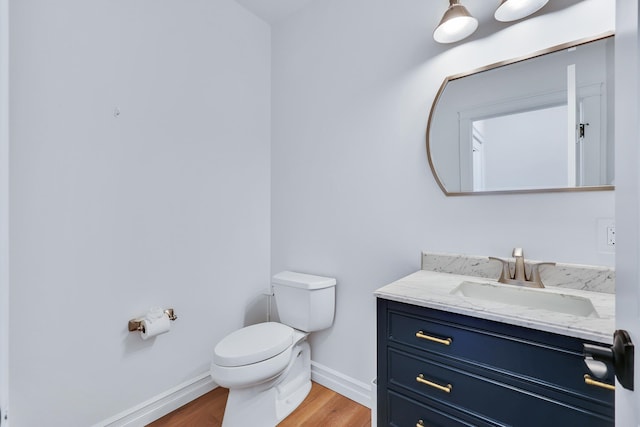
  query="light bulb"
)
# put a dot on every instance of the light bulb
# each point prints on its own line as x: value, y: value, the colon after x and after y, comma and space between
x: 512, y: 10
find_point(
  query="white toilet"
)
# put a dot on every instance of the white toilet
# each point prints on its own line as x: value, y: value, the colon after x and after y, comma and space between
x: 267, y: 366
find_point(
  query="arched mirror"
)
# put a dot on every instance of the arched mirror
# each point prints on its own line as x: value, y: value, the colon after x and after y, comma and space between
x: 535, y: 124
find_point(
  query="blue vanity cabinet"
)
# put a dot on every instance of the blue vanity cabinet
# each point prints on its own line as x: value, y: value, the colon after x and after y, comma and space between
x: 437, y: 368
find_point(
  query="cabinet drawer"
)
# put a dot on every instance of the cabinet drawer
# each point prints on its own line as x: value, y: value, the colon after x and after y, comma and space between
x: 549, y: 362
x: 404, y: 411
x: 474, y: 394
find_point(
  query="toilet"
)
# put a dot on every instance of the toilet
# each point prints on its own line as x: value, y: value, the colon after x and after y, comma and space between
x: 267, y: 366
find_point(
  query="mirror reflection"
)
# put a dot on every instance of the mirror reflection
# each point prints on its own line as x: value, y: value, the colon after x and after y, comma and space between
x: 539, y: 124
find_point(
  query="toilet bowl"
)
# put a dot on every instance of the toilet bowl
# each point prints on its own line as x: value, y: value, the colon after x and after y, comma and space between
x: 267, y: 366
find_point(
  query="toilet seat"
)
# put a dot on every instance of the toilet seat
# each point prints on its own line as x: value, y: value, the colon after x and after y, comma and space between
x: 253, y: 344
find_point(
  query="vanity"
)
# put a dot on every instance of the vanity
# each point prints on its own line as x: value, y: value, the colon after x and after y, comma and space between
x: 451, y: 354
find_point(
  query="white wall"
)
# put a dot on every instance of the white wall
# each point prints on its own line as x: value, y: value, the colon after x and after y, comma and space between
x: 165, y: 205
x: 353, y: 196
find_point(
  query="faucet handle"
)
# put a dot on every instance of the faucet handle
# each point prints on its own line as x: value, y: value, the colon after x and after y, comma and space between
x: 506, y: 272
x: 534, y: 276
x: 517, y: 252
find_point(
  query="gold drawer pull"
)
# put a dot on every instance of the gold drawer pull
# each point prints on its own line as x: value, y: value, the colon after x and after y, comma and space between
x: 421, y: 334
x: 591, y: 381
x: 446, y: 389
x: 420, y: 423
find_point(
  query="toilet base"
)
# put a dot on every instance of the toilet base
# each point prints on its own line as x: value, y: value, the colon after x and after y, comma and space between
x: 266, y: 404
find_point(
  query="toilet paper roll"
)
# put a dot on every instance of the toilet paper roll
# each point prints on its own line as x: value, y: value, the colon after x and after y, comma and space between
x: 155, y: 326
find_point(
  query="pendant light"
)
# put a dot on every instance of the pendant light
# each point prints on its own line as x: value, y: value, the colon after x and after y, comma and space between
x: 512, y: 10
x: 455, y: 25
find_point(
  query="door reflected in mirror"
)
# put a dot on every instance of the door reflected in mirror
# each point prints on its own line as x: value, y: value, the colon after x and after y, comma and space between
x: 544, y: 156
x: 544, y: 123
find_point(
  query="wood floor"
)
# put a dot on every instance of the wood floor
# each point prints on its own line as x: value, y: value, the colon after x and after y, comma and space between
x: 322, y: 407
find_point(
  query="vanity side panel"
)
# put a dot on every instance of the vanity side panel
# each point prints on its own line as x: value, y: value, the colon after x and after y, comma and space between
x: 382, y: 368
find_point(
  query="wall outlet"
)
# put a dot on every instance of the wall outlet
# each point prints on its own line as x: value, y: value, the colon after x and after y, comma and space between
x: 606, y: 235
x: 611, y: 235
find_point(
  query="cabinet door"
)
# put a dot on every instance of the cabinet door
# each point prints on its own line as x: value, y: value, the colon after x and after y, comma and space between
x: 404, y: 411
x: 543, y: 359
x: 492, y: 382
x: 434, y: 381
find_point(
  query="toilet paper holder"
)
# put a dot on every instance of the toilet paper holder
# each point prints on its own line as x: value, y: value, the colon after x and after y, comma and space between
x: 137, y: 325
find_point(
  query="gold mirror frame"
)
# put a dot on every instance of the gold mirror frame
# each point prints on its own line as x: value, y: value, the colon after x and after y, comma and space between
x: 497, y: 65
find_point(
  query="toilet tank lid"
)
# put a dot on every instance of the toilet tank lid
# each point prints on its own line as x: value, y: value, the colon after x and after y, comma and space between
x: 301, y: 280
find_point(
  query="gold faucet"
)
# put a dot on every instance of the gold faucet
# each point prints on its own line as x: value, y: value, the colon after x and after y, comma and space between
x: 519, y: 276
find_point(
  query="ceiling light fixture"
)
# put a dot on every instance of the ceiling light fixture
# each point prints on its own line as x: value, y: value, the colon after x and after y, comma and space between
x: 512, y: 10
x: 456, y: 24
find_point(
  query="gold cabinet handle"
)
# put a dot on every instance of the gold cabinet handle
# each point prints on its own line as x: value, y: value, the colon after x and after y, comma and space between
x: 591, y: 381
x: 446, y: 389
x: 420, y: 423
x: 422, y: 335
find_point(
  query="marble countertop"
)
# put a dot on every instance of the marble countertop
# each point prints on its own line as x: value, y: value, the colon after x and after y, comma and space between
x: 433, y: 290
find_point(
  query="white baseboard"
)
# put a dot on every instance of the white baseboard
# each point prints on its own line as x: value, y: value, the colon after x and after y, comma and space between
x: 162, y: 404
x: 349, y: 387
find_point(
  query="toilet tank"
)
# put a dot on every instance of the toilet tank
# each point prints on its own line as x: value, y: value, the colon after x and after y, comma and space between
x: 304, y: 301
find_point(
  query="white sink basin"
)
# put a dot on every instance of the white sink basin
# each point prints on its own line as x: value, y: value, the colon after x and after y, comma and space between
x: 527, y: 297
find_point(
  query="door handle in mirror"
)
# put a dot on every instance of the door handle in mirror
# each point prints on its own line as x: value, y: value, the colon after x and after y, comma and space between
x: 621, y: 355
